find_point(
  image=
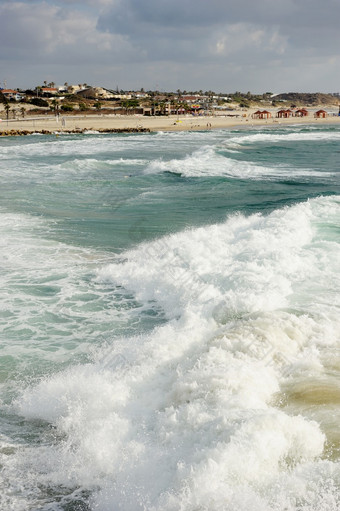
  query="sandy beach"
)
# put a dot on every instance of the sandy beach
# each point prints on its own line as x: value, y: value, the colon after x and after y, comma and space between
x: 102, y: 122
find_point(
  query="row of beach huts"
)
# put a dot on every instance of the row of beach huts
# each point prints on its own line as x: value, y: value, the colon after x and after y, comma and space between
x: 285, y: 114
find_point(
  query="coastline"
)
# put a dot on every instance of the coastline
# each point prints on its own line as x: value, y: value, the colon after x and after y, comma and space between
x: 137, y: 123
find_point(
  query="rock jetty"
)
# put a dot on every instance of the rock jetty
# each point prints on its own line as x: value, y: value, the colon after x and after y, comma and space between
x: 19, y: 133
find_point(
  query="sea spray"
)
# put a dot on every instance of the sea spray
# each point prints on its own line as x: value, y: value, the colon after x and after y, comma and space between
x: 189, y: 420
x: 170, y: 341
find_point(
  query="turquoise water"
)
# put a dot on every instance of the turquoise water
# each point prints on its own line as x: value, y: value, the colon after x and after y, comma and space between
x: 169, y: 321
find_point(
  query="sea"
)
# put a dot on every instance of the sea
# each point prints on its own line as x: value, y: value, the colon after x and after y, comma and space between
x: 170, y: 320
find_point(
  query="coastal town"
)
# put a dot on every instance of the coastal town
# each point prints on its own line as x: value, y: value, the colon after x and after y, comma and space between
x: 51, y: 107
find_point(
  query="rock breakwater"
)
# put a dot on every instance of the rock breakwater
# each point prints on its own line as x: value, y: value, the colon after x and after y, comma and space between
x: 13, y: 133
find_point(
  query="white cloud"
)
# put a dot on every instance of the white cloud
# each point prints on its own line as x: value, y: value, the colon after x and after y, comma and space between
x: 49, y: 31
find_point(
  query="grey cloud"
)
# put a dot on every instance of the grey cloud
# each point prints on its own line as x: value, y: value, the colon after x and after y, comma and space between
x: 137, y: 18
x: 190, y: 13
x: 212, y: 44
x: 44, y: 33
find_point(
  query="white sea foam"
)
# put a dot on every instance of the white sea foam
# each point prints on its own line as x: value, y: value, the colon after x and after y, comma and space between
x: 208, y: 162
x: 274, y: 138
x: 43, y: 291
x: 92, y: 163
x: 82, y: 145
x: 185, y: 417
x: 79, y: 166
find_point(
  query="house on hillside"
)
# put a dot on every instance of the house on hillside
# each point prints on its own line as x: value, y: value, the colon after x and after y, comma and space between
x: 12, y: 94
x: 73, y: 89
x: 120, y: 97
x: 49, y: 92
x: 189, y: 99
x: 95, y: 93
x: 140, y: 95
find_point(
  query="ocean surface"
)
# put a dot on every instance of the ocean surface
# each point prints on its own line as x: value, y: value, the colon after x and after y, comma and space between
x: 170, y: 321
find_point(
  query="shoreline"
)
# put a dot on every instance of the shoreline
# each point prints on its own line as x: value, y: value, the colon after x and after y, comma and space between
x: 71, y: 124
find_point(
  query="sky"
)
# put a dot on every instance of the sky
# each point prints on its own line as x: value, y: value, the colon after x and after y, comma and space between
x: 219, y: 45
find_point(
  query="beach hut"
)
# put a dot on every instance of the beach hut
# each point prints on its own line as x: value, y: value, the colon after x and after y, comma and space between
x: 302, y: 112
x: 264, y: 114
x: 256, y: 114
x: 320, y: 114
x: 284, y: 114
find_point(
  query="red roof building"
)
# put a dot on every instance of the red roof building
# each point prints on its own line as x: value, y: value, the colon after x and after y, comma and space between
x: 264, y: 114
x: 320, y: 114
x: 284, y: 114
x: 49, y: 91
x: 9, y: 93
x: 302, y: 112
x: 12, y: 94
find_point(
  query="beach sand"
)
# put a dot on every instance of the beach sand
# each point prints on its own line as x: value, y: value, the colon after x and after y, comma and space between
x: 159, y: 123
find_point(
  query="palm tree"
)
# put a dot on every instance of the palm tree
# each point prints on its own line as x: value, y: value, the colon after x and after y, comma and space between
x: 55, y: 106
x: 7, y: 108
x: 124, y: 104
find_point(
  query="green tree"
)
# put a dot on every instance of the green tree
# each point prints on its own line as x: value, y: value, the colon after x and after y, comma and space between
x: 67, y: 108
x: 128, y: 104
x: 244, y: 104
x: 98, y: 105
x: 162, y: 108
x: 7, y: 109
x: 39, y: 102
x: 55, y: 106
